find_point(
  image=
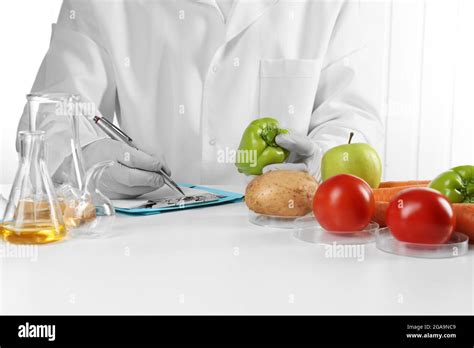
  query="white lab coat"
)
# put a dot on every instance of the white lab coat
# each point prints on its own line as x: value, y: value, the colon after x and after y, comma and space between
x: 183, y: 81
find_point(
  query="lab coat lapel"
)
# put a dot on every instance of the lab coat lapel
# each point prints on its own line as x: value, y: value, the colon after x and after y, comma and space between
x: 245, y: 13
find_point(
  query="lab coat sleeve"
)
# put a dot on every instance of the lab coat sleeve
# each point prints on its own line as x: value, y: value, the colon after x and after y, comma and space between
x: 77, y: 62
x: 345, y: 99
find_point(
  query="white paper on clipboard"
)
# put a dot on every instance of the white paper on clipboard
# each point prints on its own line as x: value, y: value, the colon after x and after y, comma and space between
x: 167, y: 200
x: 164, y: 192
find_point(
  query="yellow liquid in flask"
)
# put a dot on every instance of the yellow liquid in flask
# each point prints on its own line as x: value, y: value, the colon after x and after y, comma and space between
x: 32, y: 233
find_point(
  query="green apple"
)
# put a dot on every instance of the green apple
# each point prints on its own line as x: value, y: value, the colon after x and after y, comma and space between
x: 360, y: 160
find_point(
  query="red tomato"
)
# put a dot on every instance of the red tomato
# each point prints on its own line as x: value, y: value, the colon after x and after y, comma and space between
x: 344, y: 203
x: 421, y: 215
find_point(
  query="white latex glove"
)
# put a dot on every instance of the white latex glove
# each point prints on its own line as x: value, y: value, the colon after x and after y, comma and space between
x: 304, y: 155
x: 134, y: 172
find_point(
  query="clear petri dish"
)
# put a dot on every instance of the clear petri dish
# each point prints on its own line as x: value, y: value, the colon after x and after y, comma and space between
x: 457, y: 246
x: 307, y: 229
x: 270, y: 221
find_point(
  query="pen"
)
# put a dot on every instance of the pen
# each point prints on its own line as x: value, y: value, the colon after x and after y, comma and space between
x: 117, y: 134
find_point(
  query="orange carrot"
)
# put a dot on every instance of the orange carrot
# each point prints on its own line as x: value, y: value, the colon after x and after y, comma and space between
x: 465, y: 219
x: 386, y: 191
x: 386, y: 194
x: 390, y: 184
x: 389, y: 189
x: 380, y: 212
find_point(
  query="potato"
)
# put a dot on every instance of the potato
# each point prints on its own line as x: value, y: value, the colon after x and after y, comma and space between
x: 281, y: 193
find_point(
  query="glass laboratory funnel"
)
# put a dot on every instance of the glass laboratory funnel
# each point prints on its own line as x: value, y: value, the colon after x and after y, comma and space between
x: 78, y: 189
x: 33, y: 214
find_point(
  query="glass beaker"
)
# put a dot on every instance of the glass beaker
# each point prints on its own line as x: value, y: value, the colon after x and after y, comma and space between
x: 33, y: 214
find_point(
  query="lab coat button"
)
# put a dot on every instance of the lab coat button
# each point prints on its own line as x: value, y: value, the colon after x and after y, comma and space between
x: 212, y: 142
x: 215, y: 68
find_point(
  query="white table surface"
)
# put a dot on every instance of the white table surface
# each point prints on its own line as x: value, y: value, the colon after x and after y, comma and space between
x: 213, y: 261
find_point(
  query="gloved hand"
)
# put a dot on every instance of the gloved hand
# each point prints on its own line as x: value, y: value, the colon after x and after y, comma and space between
x: 134, y: 172
x: 304, y: 155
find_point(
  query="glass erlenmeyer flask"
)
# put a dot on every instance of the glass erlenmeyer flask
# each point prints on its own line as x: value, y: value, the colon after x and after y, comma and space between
x: 33, y: 214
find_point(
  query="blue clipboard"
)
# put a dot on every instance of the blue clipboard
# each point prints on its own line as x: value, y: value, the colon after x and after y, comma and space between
x: 226, y: 197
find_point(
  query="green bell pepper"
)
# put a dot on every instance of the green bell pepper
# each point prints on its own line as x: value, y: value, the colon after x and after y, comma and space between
x: 258, y: 147
x: 457, y: 184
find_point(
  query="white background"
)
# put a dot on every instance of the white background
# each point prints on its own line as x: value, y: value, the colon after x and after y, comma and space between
x: 425, y: 51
